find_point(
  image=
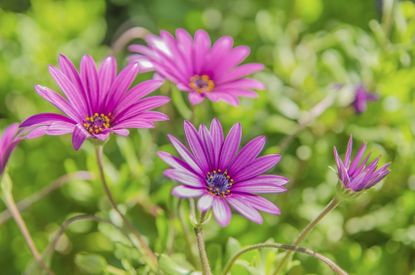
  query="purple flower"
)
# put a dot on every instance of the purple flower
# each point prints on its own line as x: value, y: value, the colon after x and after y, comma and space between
x: 214, y: 170
x: 8, y: 142
x: 356, y: 175
x: 363, y: 96
x: 199, y: 68
x: 96, y: 102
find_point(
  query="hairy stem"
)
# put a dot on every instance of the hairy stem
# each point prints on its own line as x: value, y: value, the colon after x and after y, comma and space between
x: 291, y: 248
x: 186, y: 233
x: 330, y: 206
x: 201, y: 246
x: 56, y: 184
x: 14, y: 211
x: 147, y: 251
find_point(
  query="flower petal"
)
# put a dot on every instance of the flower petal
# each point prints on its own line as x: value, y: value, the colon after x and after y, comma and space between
x: 205, y: 202
x: 245, y: 209
x: 78, y: 137
x: 257, y: 167
x: 221, y: 211
x: 183, y: 191
x: 185, y: 177
x: 247, y: 154
x: 230, y: 146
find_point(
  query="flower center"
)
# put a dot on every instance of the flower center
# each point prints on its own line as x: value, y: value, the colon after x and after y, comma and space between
x: 201, y: 84
x: 218, y: 183
x: 97, y: 123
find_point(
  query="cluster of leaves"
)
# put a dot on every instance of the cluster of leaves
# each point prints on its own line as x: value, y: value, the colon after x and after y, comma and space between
x: 307, y: 46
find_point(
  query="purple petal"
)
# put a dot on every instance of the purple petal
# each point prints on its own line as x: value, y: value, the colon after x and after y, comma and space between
x: 201, y: 48
x: 221, y: 211
x: 245, y: 209
x: 348, y: 152
x: 217, y: 138
x: 205, y: 202
x: 239, y: 72
x: 136, y: 93
x: 72, y: 93
x: 228, y: 98
x: 257, y: 167
x: 78, y: 137
x: 107, y: 72
x: 120, y: 85
x: 185, y: 177
x: 183, y: 191
x: 58, y: 101
x: 247, y: 154
x: 196, y: 146
x: 259, y: 203
x: 89, y: 77
x: 230, y: 146
x: 357, y: 159
x: 45, y: 117
x: 121, y: 132
x: 185, y: 154
x: 195, y: 98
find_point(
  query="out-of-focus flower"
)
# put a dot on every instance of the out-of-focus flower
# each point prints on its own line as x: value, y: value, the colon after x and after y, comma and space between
x: 96, y: 102
x: 214, y: 170
x: 8, y: 141
x: 199, y: 68
x: 356, y: 175
x: 362, y: 96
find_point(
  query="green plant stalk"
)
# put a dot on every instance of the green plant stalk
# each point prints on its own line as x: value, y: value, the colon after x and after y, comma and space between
x: 198, y: 228
x: 146, y: 249
x: 6, y: 185
x: 290, y: 248
x: 330, y: 206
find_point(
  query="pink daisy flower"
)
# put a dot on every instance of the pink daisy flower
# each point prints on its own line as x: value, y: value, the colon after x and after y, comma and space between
x: 217, y: 172
x: 96, y: 102
x: 199, y: 68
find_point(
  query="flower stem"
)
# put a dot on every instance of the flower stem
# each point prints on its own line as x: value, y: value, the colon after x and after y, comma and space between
x: 330, y: 206
x: 201, y: 246
x: 14, y: 211
x: 186, y: 233
x: 291, y: 248
x: 100, y: 159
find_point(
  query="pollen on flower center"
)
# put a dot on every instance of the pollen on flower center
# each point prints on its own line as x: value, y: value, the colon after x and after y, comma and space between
x: 97, y: 123
x: 219, y: 183
x: 201, y: 84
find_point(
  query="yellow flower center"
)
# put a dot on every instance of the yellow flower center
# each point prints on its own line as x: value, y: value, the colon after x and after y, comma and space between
x: 201, y: 84
x: 97, y: 123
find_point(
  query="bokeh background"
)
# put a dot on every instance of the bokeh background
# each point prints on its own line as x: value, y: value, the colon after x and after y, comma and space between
x: 308, y: 47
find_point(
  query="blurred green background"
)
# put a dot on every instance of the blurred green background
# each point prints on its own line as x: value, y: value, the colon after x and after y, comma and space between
x: 308, y: 46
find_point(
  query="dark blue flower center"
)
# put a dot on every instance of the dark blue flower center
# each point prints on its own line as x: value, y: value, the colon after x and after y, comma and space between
x: 201, y: 83
x: 97, y: 123
x: 219, y: 183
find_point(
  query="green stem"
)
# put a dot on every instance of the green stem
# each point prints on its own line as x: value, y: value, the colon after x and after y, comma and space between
x: 186, y: 233
x: 330, y: 206
x: 201, y: 246
x: 6, y: 185
x: 147, y: 251
x: 291, y: 248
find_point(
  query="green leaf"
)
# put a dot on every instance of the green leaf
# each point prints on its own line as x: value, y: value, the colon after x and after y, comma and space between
x: 170, y: 267
x: 91, y: 263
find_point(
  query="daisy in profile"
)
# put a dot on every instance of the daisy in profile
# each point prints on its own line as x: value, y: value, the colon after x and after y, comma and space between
x: 96, y: 102
x: 220, y: 175
x: 357, y: 174
x: 199, y: 68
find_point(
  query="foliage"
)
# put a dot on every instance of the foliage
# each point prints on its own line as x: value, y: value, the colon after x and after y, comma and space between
x: 308, y: 47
